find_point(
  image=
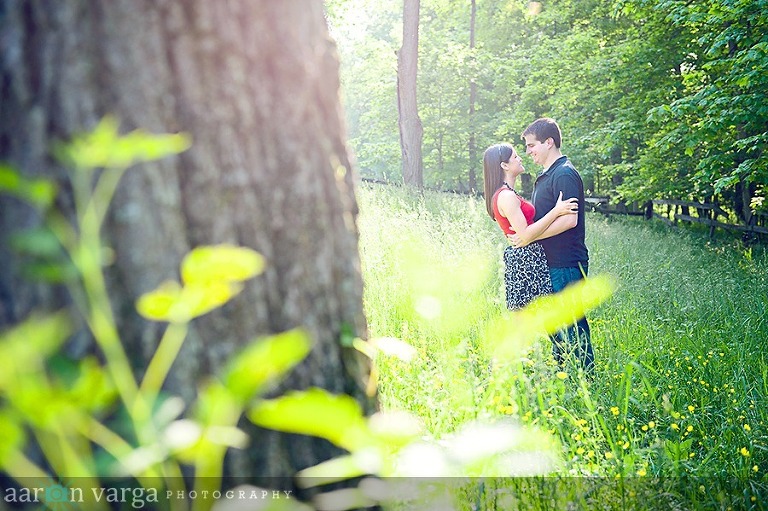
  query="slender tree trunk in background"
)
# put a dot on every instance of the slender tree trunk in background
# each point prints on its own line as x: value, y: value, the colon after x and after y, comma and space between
x: 744, y: 188
x: 472, y: 100
x: 411, y: 130
x: 743, y: 203
x: 255, y: 84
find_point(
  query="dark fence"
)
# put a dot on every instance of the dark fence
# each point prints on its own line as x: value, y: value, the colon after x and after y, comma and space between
x: 671, y: 212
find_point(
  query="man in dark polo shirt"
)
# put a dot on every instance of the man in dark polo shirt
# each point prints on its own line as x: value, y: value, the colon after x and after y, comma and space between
x: 563, y: 241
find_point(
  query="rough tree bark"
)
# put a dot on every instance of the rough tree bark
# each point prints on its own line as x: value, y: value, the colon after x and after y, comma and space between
x: 255, y: 84
x: 411, y: 129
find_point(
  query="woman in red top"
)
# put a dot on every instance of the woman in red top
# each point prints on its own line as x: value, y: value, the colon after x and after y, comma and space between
x: 526, y: 274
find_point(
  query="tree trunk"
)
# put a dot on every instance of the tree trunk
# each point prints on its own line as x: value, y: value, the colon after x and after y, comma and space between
x: 472, y: 100
x: 411, y: 130
x: 255, y: 84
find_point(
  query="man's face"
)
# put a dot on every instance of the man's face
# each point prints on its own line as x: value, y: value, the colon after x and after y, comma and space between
x: 537, y: 150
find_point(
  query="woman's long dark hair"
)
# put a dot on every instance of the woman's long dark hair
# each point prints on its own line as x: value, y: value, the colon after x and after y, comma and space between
x: 493, y: 175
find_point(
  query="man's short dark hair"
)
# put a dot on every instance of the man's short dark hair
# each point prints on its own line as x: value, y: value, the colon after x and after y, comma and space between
x: 543, y: 129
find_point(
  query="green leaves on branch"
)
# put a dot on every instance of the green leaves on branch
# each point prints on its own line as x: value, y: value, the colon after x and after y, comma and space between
x: 340, y: 420
x: 264, y: 362
x: 104, y: 147
x: 389, y: 444
x: 221, y: 263
x: 25, y: 348
x: 212, y: 275
x: 337, y: 418
x: 37, y: 192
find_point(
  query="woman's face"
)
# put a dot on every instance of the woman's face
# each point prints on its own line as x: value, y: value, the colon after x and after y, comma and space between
x: 514, y: 164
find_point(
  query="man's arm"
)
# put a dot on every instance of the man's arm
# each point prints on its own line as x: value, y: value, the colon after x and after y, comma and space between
x: 560, y: 224
x: 509, y: 206
x: 569, y: 185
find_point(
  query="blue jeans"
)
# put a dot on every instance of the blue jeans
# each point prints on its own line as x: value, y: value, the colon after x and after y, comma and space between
x: 576, y: 339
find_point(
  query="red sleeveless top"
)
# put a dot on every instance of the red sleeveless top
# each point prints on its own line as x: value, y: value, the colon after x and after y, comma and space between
x: 529, y: 211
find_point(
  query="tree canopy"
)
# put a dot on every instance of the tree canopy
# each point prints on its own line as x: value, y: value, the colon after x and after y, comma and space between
x: 656, y: 98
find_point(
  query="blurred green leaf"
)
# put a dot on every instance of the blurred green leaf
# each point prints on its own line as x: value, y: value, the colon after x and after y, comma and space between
x: 43, y: 406
x: 315, y: 412
x: 265, y: 361
x: 513, y: 333
x: 212, y: 275
x: 501, y: 449
x: 182, y: 434
x: 38, y: 192
x: 49, y: 271
x: 10, y: 180
x: 105, y: 147
x: 24, y: 349
x: 173, y: 303
x: 216, y: 405
x: 392, y: 347
x: 362, y: 462
x: 395, y: 428
x: 93, y: 389
x: 157, y: 304
x: 37, y: 242
x: 199, y: 299
x: 43, y: 258
x: 13, y: 437
x: 222, y: 263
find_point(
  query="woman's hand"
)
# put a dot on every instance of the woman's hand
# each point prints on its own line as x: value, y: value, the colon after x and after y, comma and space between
x: 516, y: 241
x: 567, y: 206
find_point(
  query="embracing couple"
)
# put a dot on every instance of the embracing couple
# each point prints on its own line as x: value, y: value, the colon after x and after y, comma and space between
x: 548, y: 249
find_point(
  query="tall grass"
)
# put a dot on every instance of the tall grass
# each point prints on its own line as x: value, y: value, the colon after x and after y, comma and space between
x: 679, y: 400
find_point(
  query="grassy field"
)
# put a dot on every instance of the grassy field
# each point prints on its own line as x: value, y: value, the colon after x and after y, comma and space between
x: 677, y: 411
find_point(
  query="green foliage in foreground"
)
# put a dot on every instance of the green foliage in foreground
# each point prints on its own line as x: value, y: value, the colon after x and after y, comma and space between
x: 102, y: 428
x: 677, y: 412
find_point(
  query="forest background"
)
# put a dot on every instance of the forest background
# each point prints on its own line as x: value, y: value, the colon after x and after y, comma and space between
x: 656, y: 99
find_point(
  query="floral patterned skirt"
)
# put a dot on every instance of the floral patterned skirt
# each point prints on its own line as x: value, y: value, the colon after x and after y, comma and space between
x: 526, y: 274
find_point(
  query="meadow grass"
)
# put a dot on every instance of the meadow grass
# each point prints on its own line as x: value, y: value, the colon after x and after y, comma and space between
x: 678, y: 405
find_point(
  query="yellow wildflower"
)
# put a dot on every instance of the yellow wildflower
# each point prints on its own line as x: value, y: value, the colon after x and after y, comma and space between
x: 744, y: 452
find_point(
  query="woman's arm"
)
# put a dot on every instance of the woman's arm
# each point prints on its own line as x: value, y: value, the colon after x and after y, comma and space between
x: 509, y: 206
x: 561, y: 224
